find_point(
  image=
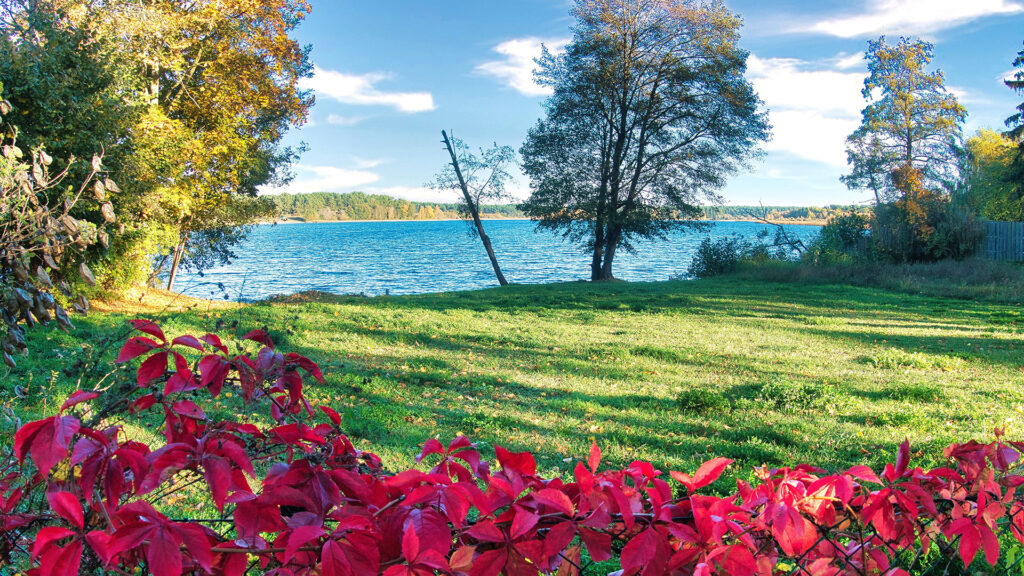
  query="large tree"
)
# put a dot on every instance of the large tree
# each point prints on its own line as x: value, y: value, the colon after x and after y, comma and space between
x: 221, y: 81
x: 1016, y: 125
x: 650, y: 113
x: 188, y: 100
x: 911, y: 122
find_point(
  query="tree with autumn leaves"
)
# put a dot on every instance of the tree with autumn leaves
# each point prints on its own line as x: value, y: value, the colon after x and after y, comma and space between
x: 195, y: 100
x: 908, y: 152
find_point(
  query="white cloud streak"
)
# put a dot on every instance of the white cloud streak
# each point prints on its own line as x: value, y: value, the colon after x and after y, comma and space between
x: 324, y: 179
x: 912, y: 17
x: 515, y: 69
x: 338, y: 120
x: 813, y: 106
x: 361, y: 90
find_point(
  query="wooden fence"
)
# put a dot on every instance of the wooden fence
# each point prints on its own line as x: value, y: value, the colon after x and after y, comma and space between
x: 1004, y: 241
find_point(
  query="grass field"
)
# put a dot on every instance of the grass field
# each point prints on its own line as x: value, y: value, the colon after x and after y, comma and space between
x: 674, y: 373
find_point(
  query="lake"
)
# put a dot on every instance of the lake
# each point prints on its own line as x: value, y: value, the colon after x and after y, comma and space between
x: 416, y: 257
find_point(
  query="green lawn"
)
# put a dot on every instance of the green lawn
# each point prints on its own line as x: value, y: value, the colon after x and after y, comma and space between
x: 674, y: 373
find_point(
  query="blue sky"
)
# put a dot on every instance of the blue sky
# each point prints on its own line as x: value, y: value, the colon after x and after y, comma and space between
x: 391, y: 74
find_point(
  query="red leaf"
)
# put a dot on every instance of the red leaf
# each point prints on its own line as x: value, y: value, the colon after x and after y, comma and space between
x: 521, y: 462
x: 410, y: 546
x: 431, y: 446
x: 523, y: 522
x: 154, y: 367
x: 135, y: 347
x: 149, y: 327
x: 647, y: 553
x: 864, y: 473
x: 46, y: 440
x: 599, y: 544
x: 595, y: 457
x: 299, y: 538
x: 190, y: 341
x: 344, y: 558
x: 332, y: 415
x: 556, y: 499
x: 259, y: 336
x: 489, y: 563
x: 164, y: 553
x: 77, y: 398
x: 67, y: 506
x: 64, y: 560
x: 46, y: 537
x: 709, y: 472
x: 214, y: 340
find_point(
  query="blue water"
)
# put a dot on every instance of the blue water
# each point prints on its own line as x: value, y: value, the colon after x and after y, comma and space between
x: 416, y: 257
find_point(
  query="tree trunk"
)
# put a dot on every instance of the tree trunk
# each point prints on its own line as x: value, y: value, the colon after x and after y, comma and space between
x: 474, y: 211
x: 611, y: 244
x: 179, y: 250
x: 599, y: 232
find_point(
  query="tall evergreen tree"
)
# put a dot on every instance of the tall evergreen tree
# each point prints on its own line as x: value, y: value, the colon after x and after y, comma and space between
x: 1016, y: 125
x: 650, y: 113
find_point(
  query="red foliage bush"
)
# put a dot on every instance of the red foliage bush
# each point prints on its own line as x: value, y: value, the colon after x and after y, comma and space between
x: 295, y: 497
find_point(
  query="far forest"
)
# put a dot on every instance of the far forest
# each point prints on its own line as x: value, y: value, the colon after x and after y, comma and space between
x: 332, y: 207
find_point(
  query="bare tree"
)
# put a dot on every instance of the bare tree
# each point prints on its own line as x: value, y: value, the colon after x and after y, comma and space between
x: 480, y: 179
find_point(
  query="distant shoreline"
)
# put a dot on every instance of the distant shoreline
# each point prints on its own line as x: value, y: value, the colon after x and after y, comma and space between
x: 499, y: 218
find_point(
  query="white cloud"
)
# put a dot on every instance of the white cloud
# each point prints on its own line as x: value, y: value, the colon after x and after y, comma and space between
x: 516, y: 69
x: 338, y: 120
x: 324, y: 179
x: 368, y: 162
x: 361, y: 90
x: 912, y: 17
x: 416, y: 193
x: 1008, y: 75
x: 813, y: 105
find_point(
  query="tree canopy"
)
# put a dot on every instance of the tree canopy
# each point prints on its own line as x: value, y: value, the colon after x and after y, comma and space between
x: 188, y: 101
x: 1016, y: 125
x: 911, y: 120
x: 650, y: 113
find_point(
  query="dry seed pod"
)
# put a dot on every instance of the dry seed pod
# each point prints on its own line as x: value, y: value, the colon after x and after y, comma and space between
x: 49, y: 261
x: 70, y: 224
x: 39, y: 310
x: 62, y: 318
x: 97, y: 163
x: 112, y: 186
x: 9, y: 360
x: 87, y: 274
x: 81, y: 305
x: 43, y: 277
x: 104, y: 238
x: 108, y: 212
x: 20, y: 273
x: 99, y: 191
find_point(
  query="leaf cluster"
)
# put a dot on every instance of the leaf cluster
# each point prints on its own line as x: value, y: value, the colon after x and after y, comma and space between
x: 292, y: 495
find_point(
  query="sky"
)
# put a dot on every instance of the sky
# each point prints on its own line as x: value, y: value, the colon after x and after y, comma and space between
x: 390, y: 75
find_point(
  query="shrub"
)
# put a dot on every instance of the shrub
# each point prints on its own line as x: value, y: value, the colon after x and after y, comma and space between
x: 924, y: 225
x: 43, y: 247
x: 725, y: 255
x: 784, y: 393
x: 845, y: 238
x: 287, y: 493
x: 701, y: 401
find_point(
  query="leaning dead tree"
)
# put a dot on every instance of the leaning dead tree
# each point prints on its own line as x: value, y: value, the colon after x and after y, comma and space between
x: 466, y: 173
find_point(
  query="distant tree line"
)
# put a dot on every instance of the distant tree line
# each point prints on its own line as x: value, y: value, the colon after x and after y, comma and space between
x: 779, y: 213
x: 332, y: 206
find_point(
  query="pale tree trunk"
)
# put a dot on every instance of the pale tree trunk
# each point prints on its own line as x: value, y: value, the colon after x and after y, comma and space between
x: 179, y: 252
x: 473, y: 210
